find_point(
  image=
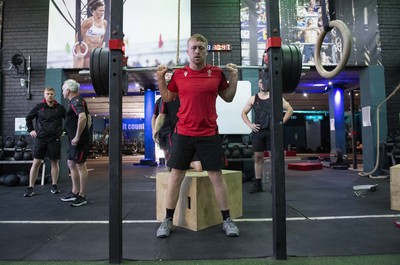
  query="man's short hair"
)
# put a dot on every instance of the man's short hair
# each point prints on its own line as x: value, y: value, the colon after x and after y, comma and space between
x: 198, y: 37
x: 50, y: 89
x: 72, y: 85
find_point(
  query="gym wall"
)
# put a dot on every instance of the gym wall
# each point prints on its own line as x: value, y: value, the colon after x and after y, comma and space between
x: 24, y: 28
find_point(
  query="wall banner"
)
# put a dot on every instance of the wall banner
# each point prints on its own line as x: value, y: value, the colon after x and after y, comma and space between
x: 301, y: 22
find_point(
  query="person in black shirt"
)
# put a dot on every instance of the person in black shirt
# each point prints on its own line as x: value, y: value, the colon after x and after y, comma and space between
x: 261, y: 137
x: 77, y: 124
x: 46, y: 132
x: 163, y: 126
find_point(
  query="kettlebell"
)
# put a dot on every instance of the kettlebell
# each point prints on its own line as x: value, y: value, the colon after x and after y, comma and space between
x: 28, y: 154
x: 2, y: 179
x: 246, y: 140
x: 10, y: 141
x: 21, y: 142
x: 247, y: 152
x: 18, y: 154
x: 235, y: 152
x: 1, y: 154
x: 11, y: 180
x: 227, y: 152
x: 23, y: 178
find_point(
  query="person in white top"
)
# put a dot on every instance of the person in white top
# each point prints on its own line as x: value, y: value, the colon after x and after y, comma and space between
x: 93, y: 30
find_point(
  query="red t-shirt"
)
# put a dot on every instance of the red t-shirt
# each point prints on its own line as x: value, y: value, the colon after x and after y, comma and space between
x: 197, y: 91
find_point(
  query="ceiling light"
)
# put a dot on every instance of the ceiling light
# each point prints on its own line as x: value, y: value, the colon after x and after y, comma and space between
x: 319, y: 84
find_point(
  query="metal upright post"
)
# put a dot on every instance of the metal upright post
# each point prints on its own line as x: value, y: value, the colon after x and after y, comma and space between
x: 278, y: 164
x: 353, y: 129
x: 115, y: 140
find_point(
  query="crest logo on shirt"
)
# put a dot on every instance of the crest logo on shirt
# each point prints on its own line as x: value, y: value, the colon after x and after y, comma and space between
x: 209, y: 73
x: 185, y: 73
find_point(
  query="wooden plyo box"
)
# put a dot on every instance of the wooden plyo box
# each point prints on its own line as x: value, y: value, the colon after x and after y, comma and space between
x: 197, y: 207
x: 395, y: 187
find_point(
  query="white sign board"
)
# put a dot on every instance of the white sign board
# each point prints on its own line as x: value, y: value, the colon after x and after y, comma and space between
x: 229, y: 114
x: 20, y: 126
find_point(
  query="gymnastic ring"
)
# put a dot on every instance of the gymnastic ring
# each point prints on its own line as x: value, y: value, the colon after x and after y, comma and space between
x: 81, y: 55
x: 346, y: 50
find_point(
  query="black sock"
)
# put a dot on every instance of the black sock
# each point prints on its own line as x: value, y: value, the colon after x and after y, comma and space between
x: 258, y: 181
x: 170, y: 214
x: 225, y: 214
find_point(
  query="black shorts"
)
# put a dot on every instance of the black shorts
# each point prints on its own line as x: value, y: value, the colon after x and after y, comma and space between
x: 78, y: 153
x: 50, y: 148
x: 261, y: 140
x: 208, y: 149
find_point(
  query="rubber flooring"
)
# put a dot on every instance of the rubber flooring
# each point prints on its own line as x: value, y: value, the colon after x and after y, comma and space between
x: 324, y: 218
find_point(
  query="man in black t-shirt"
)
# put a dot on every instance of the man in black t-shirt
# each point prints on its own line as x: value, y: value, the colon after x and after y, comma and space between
x: 77, y: 124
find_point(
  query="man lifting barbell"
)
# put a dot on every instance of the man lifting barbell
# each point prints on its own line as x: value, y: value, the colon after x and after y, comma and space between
x: 196, y: 131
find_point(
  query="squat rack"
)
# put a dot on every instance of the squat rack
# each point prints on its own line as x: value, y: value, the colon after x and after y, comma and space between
x: 117, y: 62
x: 116, y: 58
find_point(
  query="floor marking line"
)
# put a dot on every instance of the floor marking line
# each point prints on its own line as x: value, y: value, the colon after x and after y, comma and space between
x: 317, y: 218
x: 53, y: 222
x: 354, y: 217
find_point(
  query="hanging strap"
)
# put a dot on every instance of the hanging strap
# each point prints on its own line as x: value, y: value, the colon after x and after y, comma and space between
x: 78, y: 20
x: 332, y: 14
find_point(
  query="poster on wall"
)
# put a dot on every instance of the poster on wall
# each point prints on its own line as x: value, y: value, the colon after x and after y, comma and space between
x: 301, y: 24
x: 87, y: 26
x: 253, y: 31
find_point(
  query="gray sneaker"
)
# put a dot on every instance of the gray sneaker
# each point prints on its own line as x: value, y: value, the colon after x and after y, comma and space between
x: 29, y: 192
x: 54, y: 189
x: 79, y: 201
x: 165, y: 228
x: 230, y: 228
x: 69, y: 197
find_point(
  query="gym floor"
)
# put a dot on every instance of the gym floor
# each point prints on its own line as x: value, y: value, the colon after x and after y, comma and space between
x: 324, y: 218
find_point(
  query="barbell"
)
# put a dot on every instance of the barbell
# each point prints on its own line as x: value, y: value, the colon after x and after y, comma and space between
x: 154, y: 69
x: 99, y: 70
x: 144, y: 69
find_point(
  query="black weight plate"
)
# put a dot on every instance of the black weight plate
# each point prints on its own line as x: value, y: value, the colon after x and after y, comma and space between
x: 99, y: 70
